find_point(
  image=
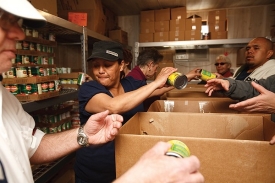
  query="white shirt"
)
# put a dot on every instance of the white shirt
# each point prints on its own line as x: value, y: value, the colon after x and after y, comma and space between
x: 17, y: 144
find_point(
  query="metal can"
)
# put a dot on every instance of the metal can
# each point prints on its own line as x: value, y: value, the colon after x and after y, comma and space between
x: 28, y: 31
x: 51, y: 60
x: 21, y: 72
x: 178, y: 80
x: 41, y: 71
x: 51, y: 86
x: 26, y: 59
x: 18, y: 59
x: 34, y: 33
x: 38, y: 47
x: 26, y: 89
x: 26, y: 45
x: 14, y: 89
x: 54, y: 71
x: 34, y: 88
x: 45, y: 87
x: 32, y: 46
x: 18, y: 45
x: 52, y: 129
x: 51, y: 37
x: 178, y: 149
x: 206, y: 75
x: 8, y: 87
x: 11, y: 73
x: 81, y: 79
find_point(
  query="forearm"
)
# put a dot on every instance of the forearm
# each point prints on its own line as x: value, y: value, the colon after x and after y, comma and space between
x: 55, y: 146
x: 161, y: 91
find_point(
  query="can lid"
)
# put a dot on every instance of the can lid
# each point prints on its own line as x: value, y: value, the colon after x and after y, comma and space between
x: 181, y: 82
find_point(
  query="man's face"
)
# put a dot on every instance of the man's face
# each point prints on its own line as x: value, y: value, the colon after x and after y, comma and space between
x: 10, y: 32
x: 256, y: 53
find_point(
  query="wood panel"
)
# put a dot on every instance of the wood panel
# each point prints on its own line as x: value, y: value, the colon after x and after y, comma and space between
x: 69, y: 56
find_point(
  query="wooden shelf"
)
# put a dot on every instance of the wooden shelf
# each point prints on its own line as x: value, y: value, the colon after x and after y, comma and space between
x: 28, y: 80
x: 41, y: 41
x: 34, y: 53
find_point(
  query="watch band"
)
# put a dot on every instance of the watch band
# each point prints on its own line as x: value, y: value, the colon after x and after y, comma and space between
x: 82, y: 138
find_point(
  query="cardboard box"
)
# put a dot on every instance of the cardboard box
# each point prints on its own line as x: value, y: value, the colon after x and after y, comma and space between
x: 167, y: 55
x: 232, y: 148
x: 96, y: 20
x: 192, y: 106
x: 176, y: 35
x: 162, y: 14
x: 178, y: 13
x: 217, y: 26
x: 162, y: 26
x: 147, y: 27
x: 193, y: 22
x: 192, y: 35
x: 49, y: 6
x: 161, y: 36
x: 216, y: 15
x: 218, y: 35
x: 111, y: 20
x: 177, y: 25
x: 119, y: 36
x: 147, y: 16
x: 146, y: 37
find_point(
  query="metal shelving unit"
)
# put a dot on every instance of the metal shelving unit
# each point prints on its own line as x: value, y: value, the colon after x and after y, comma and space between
x: 195, y: 44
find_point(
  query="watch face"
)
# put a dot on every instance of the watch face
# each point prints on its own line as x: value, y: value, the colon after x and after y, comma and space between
x: 82, y: 139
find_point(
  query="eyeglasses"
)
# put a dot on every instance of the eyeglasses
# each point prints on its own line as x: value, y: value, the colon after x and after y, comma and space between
x: 8, y: 20
x: 221, y: 63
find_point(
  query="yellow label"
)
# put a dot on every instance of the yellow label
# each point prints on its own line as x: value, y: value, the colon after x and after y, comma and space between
x: 172, y: 78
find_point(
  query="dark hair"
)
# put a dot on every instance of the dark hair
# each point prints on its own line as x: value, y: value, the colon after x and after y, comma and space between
x: 148, y: 55
x: 128, y: 57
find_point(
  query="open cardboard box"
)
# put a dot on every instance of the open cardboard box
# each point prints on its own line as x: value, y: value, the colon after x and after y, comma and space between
x: 231, y: 147
x: 196, y: 106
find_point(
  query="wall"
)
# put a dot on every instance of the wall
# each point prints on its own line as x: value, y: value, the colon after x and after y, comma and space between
x: 245, y: 22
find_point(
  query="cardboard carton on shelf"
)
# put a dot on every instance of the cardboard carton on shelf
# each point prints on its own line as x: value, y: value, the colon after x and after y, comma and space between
x: 232, y: 148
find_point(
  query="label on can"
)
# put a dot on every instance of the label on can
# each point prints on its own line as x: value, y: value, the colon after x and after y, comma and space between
x: 206, y: 75
x: 26, y: 59
x: 51, y: 86
x: 26, y: 45
x: 21, y: 72
x: 45, y: 87
x: 32, y: 46
x: 26, y: 89
x: 14, y: 89
x: 11, y: 73
x: 81, y: 79
x: 178, y: 149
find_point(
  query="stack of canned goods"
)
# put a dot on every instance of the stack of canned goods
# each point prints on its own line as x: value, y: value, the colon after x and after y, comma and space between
x: 35, y: 88
x: 34, y: 33
x: 30, y: 71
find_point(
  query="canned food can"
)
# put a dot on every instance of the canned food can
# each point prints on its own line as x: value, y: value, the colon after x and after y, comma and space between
x: 34, y: 88
x: 26, y: 45
x: 178, y: 80
x: 74, y: 81
x: 59, y: 128
x: 63, y: 81
x: 14, y: 89
x: 26, y: 59
x: 11, y: 73
x: 63, y: 127
x: 51, y: 37
x: 54, y: 71
x: 52, y: 129
x: 39, y: 88
x: 32, y: 46
x: 44, y: 48
x: 45, y: 87
x: 49, y: 71
x: 33, y: 59
x: 45, y: 129
x: 34, y: 33
x: 26, y: 89
x: 206, y: 75
x: 45, y: 60
x: 68, y: 125
x: 19, y: 45
x: 38, y: 47
x: 52, y: 119
x: 13, y: 60
x: 28, y: 31
x: 51, y: 60
x: 51, y: 86
x: 18, y: 59
x: 4, y: 75
x: 41, y: 71
x: 81, y: 79
x: 21, y: 72
x: 178, y: 149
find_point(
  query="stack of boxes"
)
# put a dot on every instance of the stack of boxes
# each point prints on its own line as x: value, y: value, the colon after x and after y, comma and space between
x: 193, y: 28
x: 177, y: 24
x: 217, y: 24
x: 147, y: 26
x: 169, y: 24
x: 162, y: 18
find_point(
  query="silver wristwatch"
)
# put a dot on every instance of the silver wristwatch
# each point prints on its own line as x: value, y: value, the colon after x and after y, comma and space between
x: 82, y: 138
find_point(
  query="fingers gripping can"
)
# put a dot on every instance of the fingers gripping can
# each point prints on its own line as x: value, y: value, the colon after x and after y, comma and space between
x: 177, y: 80
x: 178, y: 149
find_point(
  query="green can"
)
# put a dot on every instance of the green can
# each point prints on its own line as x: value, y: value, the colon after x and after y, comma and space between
x: 52, y: 129
x: 34, y: 88
x: 51, y: 86
x: 45, y: 129
x: 26, y: 89
x: 63, y: 127
x: 206, y: 75
x: 15, y: 89
x: 45, y: 87
x: 59, y: 128
x: 18, y: 59
x: 68, y: 125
